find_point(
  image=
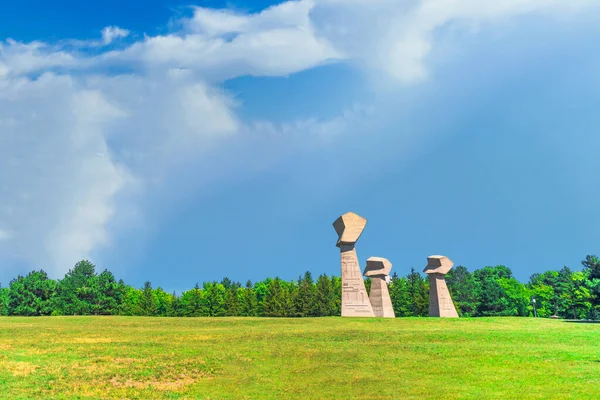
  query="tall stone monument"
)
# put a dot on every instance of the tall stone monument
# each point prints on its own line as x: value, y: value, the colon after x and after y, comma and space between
x: 378, y: 269
x: 355, y: 301
x: 440, y: 302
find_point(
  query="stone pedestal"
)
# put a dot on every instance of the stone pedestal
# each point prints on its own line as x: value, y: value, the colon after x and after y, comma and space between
x: 355, y: 301
x: 378, y: 269
x: 440, y: 302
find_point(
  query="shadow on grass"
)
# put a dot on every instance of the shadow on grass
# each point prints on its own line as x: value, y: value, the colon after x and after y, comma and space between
x: 582, y: 321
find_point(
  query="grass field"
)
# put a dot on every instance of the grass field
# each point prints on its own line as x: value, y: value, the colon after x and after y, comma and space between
x: 321, y: 358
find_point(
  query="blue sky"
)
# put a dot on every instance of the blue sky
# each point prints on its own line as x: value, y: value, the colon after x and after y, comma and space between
x: 180, y: 142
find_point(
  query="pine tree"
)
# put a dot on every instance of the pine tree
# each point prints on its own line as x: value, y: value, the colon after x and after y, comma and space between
x: 324, y: 297
x: 193, y: 302
x: 109, y: 294
x: 31, y: 295
x: 400, y: 296
x: 232, y: 303
x: 227, y: 283
x: 418, y: 293
x: 214, y: 298
x: 77, y: 293
x: 248, y: 302
x: 368, y: 285
x: 274, y: 303
x: 287, y: 300
x: 148, y: 303
x: 176, y: 308
x: 304, y: 299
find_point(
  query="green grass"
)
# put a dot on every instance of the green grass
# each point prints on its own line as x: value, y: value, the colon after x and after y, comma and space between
x: 320, y: 358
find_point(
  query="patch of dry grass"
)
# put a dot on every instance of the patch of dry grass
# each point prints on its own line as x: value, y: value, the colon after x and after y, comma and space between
x: 18, y: 368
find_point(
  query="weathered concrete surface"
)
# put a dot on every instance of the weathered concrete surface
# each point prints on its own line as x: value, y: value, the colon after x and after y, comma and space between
x: 355, y: 301
x: 440, y: 302
x: 378, y: 269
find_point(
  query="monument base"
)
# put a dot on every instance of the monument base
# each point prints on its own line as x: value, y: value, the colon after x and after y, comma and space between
x: 380, y: 298
x: 440, y: 302
x: 355, y: 301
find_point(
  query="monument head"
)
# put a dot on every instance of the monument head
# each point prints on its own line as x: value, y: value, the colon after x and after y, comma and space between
x: 349, y: 228
x: 378, y: 266
x: 438, y: 265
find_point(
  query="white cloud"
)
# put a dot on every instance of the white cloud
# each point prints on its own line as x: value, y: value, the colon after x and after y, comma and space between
x: 60, y: 177
x: 56, y: 191
x: 19, y: 58
x: 288, y: 15
x: 110, y: 33
x: 220, y: 44
x: 78, y: 144
x: 396, y: 36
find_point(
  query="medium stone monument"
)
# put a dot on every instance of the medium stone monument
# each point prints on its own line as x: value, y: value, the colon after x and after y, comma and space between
x: 440, y: 302
x: 355, y: 301
x: 378, y: 269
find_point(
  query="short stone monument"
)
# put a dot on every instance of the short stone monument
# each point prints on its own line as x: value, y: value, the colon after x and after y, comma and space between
x: 440, y: 302
x: 378, y: 269
x: 355, y: 301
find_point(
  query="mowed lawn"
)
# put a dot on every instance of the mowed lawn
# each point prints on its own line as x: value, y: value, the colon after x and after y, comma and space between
x: 312, y: 358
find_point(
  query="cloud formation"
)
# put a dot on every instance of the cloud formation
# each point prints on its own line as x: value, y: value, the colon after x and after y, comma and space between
x: 111, y: 33
x: 19, y: 59
x: 78, y: 140
x: 57, y: 177
x: 396, y: 36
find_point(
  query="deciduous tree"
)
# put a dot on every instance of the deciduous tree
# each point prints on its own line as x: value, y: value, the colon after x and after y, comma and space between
x: 463, y: 290
x: 4, y: 295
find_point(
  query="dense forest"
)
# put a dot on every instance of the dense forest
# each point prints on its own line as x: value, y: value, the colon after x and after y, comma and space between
x: 489, y: 291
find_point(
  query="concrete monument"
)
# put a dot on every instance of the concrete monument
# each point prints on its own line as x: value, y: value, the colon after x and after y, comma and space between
x: 355, y: 302
x: 440, y: 302
x: 378, y: 269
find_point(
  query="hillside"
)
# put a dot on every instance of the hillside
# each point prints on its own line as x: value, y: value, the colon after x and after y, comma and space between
x: 334, y: 358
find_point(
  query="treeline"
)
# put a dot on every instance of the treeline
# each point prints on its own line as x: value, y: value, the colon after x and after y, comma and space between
x: 490, y: 291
